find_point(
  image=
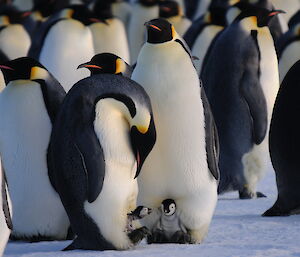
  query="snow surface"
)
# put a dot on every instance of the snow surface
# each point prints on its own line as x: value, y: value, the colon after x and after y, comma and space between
x: 237, y: 229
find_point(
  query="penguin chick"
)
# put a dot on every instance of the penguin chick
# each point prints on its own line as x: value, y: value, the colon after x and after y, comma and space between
x: 107, y: 63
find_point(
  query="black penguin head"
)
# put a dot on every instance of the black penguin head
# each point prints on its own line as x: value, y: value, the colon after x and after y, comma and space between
x: 148, y: 3
x: 141, y: 212
x: 105, y: 63
x: 160, y: 31
x: 103, y: 9
x: 169, y: 9
x: 48, y: 7
x: 24, y: 68
x: 264, y: 16
x: 217, y: 12
x: 168, y: 207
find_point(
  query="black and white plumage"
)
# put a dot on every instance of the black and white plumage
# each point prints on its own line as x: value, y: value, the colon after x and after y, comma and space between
x: 29, y: 104
x: 284, y: 144
x: 102, y: 135
x: 241, y: 81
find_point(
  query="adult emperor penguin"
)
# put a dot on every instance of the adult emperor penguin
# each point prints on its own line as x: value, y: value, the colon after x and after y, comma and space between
x: 107, y: 63
x: 183, y: 165
x: 288, y: 50
x: 205, y: 30
x: 5, y: 212
x: 173, y: 13
x: 142, y: 11
x: 284, y: 144
x: 32, y: 96
x: 102, y: 135
x: 65, y: 44
x: 241, y: 80
x: 122, y: 10
x: 109, y: 36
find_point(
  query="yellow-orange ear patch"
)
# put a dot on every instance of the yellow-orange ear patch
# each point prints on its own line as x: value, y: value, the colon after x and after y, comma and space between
x: 120, y: 66
x: 174, y: 33
x: 38, y: 73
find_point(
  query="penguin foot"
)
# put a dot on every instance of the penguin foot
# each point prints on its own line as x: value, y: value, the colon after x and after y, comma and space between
x: 157, y: 237
x: 138, y: 235
x: 245, y: 194
x: 180, y: 237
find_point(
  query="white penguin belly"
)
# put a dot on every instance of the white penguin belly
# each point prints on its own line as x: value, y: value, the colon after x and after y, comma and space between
x: 202, y: 44
x: 177, y: 167
x: 4, y: 230
x: 67, y: 45
x: 24, y: 136
x: 119, y: 192
x: 14, y: 41
x: 110, y: 38
x: 289, y: 57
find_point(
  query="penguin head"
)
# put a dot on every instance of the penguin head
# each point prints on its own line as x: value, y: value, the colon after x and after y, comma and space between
x: 169, y: 9
x: 24, y: 68
x: 105, y: 63
x: 141, y: 212
x: 168, y: 207
x: 264, y: 16
x: 148, y: 3
x: 160, y: 31
x: 103, y: 9
x: 217, y: 12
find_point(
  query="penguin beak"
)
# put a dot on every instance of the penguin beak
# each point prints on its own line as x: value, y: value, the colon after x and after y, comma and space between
x: 275, y: 12
x: 4, y: 67
x: 149, y: 25
x: 88, y: 65
x: 142, y: 143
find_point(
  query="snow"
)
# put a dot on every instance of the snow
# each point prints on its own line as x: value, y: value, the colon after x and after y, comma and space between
x: 237, y: 229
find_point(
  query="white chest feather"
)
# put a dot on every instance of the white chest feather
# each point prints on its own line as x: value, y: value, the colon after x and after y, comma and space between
x: 110, y: 38
x: 68, y: 44
x: 24, y: 136
x: 119, y: 192
x: 4, y: 230
x: 14, y: 41
x: 202, y: 44
x: 289, y: 57
x: 122, y: 10
x: 136, y: 28
x: 177, y: 166
x: 201, y: 8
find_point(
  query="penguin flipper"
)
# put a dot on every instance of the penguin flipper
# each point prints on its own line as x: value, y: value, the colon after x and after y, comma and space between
x: 5, y: 205
x: 92, y: 160
x: 253, y: 95
x: 212, y: 139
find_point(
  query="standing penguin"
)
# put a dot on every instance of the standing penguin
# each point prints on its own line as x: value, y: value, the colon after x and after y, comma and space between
x: 29, y: 104
x: 173, y: 13
x: 241, y: 80
x: 110, y: 34
x: 183, y: 165
x: 107, y: 63
x: 122, y: 10
x: 102, y: 135
x: 66, y: 43
x: 5, y: 213
x: 284, y: 145
x: 142, y: 11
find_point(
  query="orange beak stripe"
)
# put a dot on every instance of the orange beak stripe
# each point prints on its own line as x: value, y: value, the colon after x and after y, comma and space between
x: 92, y: 66
x: 155, y: 27
x: 273, y: 13
x: 5, y: 67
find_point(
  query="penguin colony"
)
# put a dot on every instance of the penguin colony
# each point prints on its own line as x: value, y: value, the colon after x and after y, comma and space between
x: 121, y: 120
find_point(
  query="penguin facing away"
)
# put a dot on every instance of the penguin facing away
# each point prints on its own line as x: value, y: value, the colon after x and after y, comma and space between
x: 284, y: 142
x: 107, y: 63
x: 5, y: 212
x: 183, y: 163
x: 241, y: 89
x: 102, y: 135
x: 31, y: 99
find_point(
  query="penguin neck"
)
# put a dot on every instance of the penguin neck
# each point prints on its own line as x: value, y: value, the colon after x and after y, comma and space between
x: 112, y: 130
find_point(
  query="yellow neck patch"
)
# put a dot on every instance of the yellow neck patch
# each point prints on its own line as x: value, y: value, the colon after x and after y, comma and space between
x: 120, y: 66
x: 38, y: 73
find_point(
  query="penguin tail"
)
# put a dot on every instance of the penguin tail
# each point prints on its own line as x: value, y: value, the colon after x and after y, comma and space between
x: 73, y: 246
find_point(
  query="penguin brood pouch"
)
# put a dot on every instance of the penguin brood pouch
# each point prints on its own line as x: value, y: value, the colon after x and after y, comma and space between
x: 102, y: 135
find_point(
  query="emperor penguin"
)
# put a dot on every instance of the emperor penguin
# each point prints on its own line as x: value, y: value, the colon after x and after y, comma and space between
x: 205, y: 30
x: 288, y: 50
x: 241, y: 80
x: 183, y: 164
x: 284, y: 145
x: 110, y: 34
x: 5, y: 212
x: 142, y: 11
x: 29, y: 104
x: 173, y: 13
x: 66, y: 43
x: 289, y: 6
x: 107, y: 63
x: 101, y: 137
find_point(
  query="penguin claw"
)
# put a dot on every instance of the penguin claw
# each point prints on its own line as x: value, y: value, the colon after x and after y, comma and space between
x: 260, y: 195
x: 245, y: 194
